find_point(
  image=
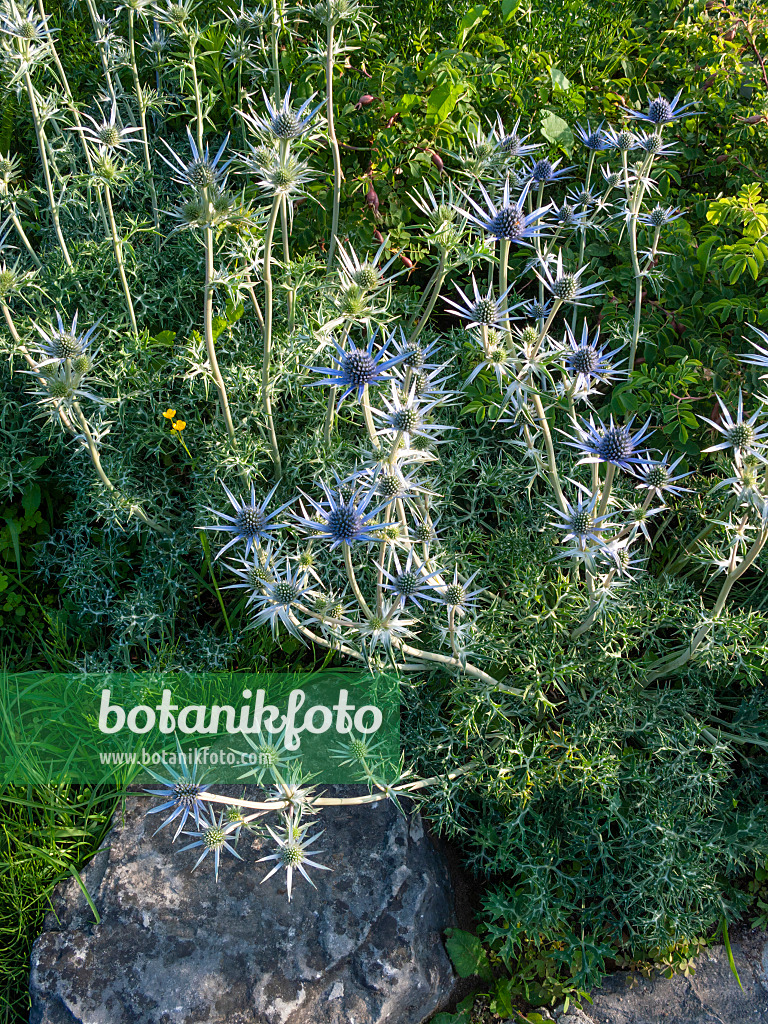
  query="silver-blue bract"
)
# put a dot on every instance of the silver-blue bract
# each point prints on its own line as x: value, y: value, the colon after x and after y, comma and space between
x: 346, y: 519
x: 251, y: 522
x: 358, y: 368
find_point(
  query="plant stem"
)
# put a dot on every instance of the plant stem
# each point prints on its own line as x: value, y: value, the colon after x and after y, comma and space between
x: 554, y: 477
x: 268, y: 315
x: 144, y: 133
x: 118, y: 250
x: 332, y: 141
x: 96, y: 460
x: 353, y: 581
x: 369, y: 418
x: 209, y: 342
x: 438, y: 277
x: 40, y: 136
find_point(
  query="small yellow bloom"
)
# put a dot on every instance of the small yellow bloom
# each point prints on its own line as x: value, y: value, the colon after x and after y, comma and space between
x: 178, y: 425
x: 169, y: 414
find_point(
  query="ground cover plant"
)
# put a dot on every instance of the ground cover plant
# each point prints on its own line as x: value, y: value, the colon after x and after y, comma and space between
x: 430, y: 345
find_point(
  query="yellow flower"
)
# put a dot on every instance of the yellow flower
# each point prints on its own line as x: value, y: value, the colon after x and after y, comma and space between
x: 169, y: 414
x: 178, y: 425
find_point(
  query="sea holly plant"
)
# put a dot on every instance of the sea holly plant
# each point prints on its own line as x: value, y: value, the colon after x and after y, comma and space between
x: 324, y: 392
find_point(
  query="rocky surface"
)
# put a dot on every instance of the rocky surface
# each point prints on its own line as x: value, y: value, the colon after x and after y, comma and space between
x: 174, y: 947
x: 710, y: 996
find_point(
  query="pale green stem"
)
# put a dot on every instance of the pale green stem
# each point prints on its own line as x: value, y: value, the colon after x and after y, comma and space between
x: 661, y: 669
x: 439, y: 277
x: 583, y: 231
x: 198, y: 97
x: 23, y: 236
x: 369, y: 418
x: 144, y: 133
x: 96, y: 460
x: 118, y: 251
x: 40, y: 136
x: 268, y: 316
x: 287, y: 259
x: 330, y: 412
x: 610, y: 472
x: 554, y: 477
x: 332, y: 141
x: 103, y: 55
x: 275, y: 57
x: 209, y: 342
x: 353, y: 581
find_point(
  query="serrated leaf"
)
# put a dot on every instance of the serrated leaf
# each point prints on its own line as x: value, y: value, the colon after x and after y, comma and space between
x: 467, y: 954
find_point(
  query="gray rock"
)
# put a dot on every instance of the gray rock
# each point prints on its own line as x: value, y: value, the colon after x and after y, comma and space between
x: 710, y: 996
x: 173, y: 947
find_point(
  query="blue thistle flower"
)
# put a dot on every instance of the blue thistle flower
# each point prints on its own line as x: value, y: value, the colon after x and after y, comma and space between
x: 346, y: 519
x: 201, y: 172
x: 283, y: 122
x: 275, y: 602
x: 613, y: 443
x: 744, y: 437
x: 212, y: 836
x: 593, y: 139
x: 485, y: 310
x: 64, y: 343
x: 358, y: 368
x: 588, y: 360
x: 658, y: 477
x: 659, y: 216
x: 184, y: 791
x: 512, y: 145
x: 564, y: 284
x: 411, y: 582
x: 250, y: 523
x: 507, y: 221
x: 544, y: 171
x: 662, y: 111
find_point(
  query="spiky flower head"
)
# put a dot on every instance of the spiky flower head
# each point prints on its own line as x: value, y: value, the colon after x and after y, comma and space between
x: 61, y: 342
x: 658, y: 478
x: 484, y: 310
x: 743, y: 436
x: 662, y: 111
x: 212, y: 835
x: 282, y: 121
x: 592, y: 138
x: 345, y: 518
x: 106, y: 133
x: 250, y: 524
x: 358, y: 368
x: 201, y: 172
x: 614, y: 443
x: 457, y: 595
x: 544, y: 171
x: 507, y: 220
x: 564, y: 284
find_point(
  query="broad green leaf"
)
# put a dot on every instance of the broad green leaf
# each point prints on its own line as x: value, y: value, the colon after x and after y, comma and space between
x: 501, y: 1003
x: 467, y: 954
x: 556, y: 130
x: 443, y: 99
x: 559, y: 79
x: 30, y: 499
x: 509, y: 8
x: 471, y: 20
